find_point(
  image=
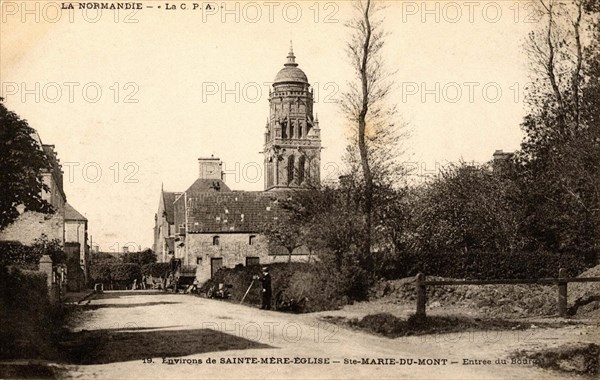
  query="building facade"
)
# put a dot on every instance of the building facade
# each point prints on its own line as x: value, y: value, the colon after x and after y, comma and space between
x: 164, y: 226
x: 65, y: 224
x: 211, y: 225
x: 76, y: 248
x: 31, y: 225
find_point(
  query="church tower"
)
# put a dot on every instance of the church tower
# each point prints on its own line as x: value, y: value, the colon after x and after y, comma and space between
x: 292, y: 136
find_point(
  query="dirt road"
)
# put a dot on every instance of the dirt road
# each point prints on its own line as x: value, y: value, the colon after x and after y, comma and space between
x: 150, y: 335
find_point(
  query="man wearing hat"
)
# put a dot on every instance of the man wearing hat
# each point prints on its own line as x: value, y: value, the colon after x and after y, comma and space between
x: 266, y: 289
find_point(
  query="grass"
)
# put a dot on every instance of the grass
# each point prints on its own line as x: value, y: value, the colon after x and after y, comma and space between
x: 581, y: 358
x: 391, y: 326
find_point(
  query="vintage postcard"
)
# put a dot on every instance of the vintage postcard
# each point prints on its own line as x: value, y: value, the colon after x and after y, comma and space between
x: 300, y: 189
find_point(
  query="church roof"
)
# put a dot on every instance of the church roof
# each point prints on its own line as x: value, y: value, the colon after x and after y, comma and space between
x: 200, y: 188
x: 72, y: 214
x: 290, y: 71
x: 234, y: 211
x: 202, y: 185
x: 169, y: 197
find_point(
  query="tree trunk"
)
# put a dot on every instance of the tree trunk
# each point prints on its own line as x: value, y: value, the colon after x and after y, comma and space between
x: 362, y: 124
x: 577, y: 71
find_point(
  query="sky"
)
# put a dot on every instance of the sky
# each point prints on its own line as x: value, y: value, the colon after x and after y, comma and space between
x: 132, y: 98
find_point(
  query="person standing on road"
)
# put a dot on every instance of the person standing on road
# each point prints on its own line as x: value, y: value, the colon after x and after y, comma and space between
x: 266, y: 289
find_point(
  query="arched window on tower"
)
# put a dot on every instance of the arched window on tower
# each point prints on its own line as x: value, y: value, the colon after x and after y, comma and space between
x: 292, y: 129
x: 270, y: 172
x: 290, y: 169
x: 284, y: 130
x: 301, y: 164
x: 299, y: 130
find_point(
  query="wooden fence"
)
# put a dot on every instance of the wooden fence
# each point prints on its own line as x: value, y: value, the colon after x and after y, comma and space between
x: 561, y: 281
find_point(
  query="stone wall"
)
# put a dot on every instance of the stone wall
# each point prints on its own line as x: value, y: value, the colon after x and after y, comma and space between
x: 31, y: 225
x: 233, y: 248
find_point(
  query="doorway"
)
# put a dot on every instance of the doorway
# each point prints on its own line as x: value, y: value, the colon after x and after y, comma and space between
x: 216, y: 263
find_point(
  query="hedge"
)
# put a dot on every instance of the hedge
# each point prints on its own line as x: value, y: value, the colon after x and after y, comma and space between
x: 476, y: 264
x: 156, y: 269
x: 111, y: 274
x: 29, y: 324
x: 318, y: 285
x: 15, y: 253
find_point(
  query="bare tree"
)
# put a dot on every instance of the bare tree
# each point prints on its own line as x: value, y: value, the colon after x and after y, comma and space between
x: 365, y: 102
x: 561, y: 151
x: 556, y: 56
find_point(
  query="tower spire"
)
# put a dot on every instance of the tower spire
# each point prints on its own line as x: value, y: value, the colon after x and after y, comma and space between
x: 291, y: 58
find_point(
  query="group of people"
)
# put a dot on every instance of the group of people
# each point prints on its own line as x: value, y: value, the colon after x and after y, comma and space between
x: 265, y: 281
x: 142, y: 285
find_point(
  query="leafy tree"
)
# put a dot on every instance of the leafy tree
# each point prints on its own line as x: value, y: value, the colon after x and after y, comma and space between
x: 22, y: 161
x: 284, y: 233
x: 329, y: 223
x: 99, y: 257
x: 53, y: 248
x: 100, y: 272
x: 141, y: 258
x: 156, y: 269
x: 125, y: 273
x: 465, y: 208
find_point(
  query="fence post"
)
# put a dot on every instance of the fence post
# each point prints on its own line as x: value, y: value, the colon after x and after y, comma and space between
x: 45, y: 266
x: 421, y: 295
x: 562, y: 293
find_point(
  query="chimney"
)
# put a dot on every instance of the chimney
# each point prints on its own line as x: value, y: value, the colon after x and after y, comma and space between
x: 500, y: 160
x: 500, y: 156
x: 210, y: 168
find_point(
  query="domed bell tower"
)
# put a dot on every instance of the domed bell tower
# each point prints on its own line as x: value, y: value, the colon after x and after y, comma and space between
x: 292, y: 135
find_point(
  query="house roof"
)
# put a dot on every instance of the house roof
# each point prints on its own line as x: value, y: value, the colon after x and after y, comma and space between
x: 55, y: 168
x: 72, y: 214
x: 232, y: 211
x: 168, y: 198
x: 202, y: 186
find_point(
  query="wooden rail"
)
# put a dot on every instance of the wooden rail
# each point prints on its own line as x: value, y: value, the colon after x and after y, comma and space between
x: 561, y: 281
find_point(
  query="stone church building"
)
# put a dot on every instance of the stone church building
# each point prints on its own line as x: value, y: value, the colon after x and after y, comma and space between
x: 209, y: 226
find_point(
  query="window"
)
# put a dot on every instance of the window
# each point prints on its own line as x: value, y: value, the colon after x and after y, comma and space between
x: 251, y: 239
x: 252, y: 261
x: 301, y: 164
x: 198, y: 260
x: 216, y: 240
x: 290, y: 169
